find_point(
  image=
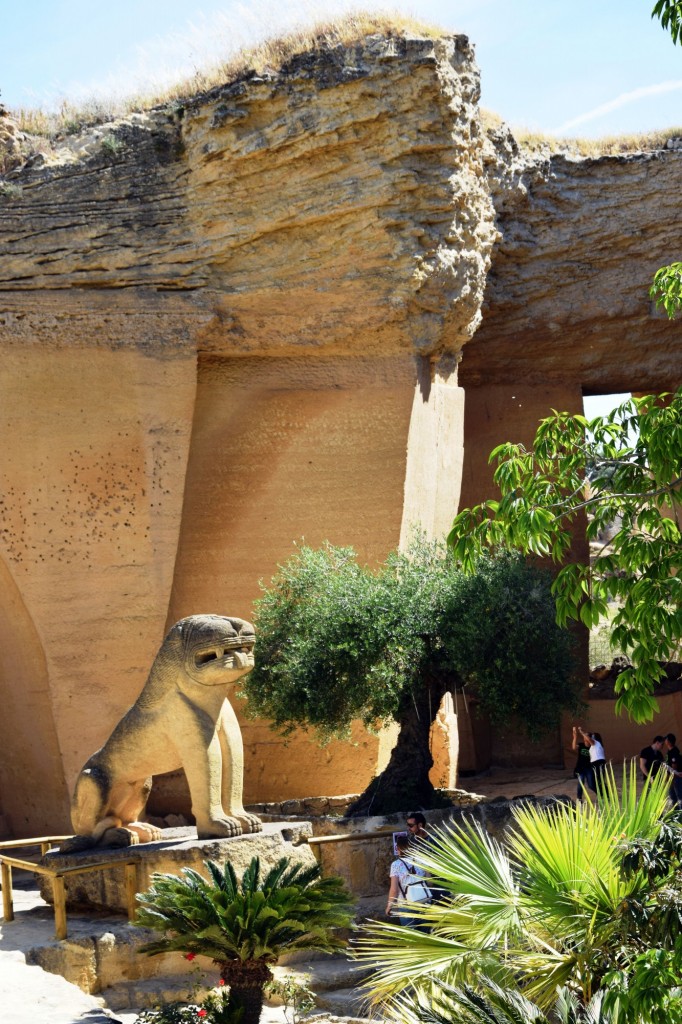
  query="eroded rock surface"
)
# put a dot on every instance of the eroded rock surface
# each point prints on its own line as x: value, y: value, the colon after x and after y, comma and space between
x: 337, y: 204
x: 567, y: 297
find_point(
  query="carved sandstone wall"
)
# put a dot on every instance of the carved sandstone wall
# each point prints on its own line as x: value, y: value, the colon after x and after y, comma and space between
x: 234, y: 323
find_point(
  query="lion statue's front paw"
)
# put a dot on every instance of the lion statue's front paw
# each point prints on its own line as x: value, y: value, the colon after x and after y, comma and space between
x: 223, y: 827
x: 119, y: 837
x: 250, y: 822
x: 145, y: 832
x: 77, y: 843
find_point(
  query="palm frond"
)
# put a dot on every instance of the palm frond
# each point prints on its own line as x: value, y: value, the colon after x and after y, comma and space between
x: 402, y: 957
x: 489, y: 1004
x: 629, y: 812
x: 251, y: 877
x: 568, y: 1009
x: 467, y: 861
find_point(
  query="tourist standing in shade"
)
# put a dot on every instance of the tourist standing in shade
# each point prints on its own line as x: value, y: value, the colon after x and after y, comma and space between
x: 582, y: 765
x: 674, y: 761
x: 597, y: 758
x: 651, y: 757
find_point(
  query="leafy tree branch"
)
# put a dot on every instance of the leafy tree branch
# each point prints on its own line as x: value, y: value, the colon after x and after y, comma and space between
x: 625, y: 469
x: 669, y: 13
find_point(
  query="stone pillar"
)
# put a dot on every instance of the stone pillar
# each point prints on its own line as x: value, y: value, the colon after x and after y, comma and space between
x: 434, y: 451
x: 445, y: 746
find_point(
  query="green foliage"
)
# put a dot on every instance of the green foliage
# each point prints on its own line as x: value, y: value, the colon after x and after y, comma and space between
x: 492, y: 1004
x: 291, y: 908
x: 172, y: 1013
x: 9, y: 190
x: 669, y: 13
x: 296, y: 995
x: 650, y: 991
x: 337, y: 642
x: 555, y: 908
x: 622, y: 468
x: 217, y: 1008
x: 500, y: 635
x: 221, y: 1008
x: 666, y: 289
x: 111, y: 144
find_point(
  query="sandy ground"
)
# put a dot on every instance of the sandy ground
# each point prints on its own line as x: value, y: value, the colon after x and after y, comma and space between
x: 512, y: 782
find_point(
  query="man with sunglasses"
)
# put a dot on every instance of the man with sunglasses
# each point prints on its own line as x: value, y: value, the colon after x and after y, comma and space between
x: 416, y: 824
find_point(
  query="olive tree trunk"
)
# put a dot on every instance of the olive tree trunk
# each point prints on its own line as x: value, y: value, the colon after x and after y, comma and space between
x: 404, y: 784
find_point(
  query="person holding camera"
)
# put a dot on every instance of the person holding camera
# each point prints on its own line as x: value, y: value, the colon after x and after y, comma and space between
x: 597, y: 759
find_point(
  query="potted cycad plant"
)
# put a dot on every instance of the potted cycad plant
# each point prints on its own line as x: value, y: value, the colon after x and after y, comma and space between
x: 244, y: 927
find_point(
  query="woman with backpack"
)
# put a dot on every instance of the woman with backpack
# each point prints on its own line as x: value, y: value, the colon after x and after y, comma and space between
x: 407, y: 885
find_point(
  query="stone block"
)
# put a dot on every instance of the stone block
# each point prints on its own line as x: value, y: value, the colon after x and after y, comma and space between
x: 74, y: 959
x: 342, y: 802
x: 105, y: 890
x: 292, y: 807
x: 315, y: 805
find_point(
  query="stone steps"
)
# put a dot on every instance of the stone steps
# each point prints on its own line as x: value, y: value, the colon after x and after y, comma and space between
x: 335, y: 981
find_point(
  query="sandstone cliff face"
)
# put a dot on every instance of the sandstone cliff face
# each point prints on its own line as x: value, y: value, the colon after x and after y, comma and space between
x: 338, y: 205
x: 215, y: 320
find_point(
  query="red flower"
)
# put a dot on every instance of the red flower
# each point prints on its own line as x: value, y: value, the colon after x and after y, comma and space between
x: 190, y: 956
x: 202, y: 1013
x: 222, y: 981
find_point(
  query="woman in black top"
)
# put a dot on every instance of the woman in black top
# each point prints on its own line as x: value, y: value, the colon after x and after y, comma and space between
x: 582, y: 765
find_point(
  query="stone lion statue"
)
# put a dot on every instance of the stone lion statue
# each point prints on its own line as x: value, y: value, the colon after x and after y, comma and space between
x: 182, y: 719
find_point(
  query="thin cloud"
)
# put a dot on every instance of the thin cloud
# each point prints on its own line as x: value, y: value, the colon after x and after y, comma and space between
x: 623, y: 100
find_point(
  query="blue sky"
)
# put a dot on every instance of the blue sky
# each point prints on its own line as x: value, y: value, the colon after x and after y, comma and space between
x: 588, y: 67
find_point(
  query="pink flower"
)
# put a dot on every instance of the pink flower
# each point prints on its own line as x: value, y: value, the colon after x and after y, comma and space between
x: 190, y: 956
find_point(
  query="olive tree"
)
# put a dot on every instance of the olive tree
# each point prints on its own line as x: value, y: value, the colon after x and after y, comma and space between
x: 338, y: 642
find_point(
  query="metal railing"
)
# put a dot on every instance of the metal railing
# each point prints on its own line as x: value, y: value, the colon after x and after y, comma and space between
x: 58, y: 875
x: 319, y: 842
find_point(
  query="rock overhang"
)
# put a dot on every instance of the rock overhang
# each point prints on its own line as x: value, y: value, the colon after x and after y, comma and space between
x: 337, y: 205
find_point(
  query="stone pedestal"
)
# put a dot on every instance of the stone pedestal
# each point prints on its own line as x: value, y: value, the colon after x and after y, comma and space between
x: 105, y: 890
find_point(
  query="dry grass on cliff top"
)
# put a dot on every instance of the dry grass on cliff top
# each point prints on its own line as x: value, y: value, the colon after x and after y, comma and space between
x: 610, y: 145
x: 271, y: 55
